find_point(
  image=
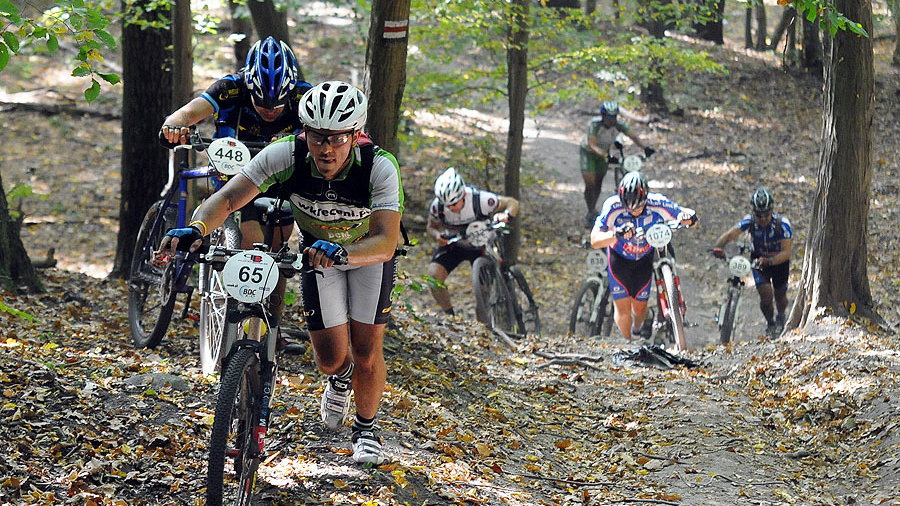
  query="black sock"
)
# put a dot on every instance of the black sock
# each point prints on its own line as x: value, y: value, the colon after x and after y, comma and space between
x: 361, y: 423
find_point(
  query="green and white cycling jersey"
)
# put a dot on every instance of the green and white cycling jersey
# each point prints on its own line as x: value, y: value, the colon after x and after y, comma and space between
x: 605, y: 136
x: 336, y: 210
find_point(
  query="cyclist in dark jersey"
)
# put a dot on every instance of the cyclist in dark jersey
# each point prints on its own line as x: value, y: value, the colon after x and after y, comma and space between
x: 347, y: 201
x: 257, y: 104
x: 772, y: 244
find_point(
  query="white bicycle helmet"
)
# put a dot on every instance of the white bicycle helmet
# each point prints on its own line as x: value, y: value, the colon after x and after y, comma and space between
x: 449, y: 187
x: 633, y: 190
x: 334, y: 105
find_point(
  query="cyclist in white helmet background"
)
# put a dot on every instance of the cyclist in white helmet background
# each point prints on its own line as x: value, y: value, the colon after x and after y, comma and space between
x: 631, y: 257
x: 347, y: 200
x: 454, y: 207
x: 772, y: 238
x: 594, y: 153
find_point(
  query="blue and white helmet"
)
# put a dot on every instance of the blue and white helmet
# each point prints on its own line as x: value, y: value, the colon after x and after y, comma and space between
x: 449, y: 187
x: 270, y: 72
x: 609, y: 108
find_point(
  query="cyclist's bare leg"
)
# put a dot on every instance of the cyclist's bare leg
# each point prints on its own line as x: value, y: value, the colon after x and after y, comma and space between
x: 781, y: 300
x: 251, y: 232
x: 766, y: 296
x: 440, y: 293
x: 332, y: 348
x: 591, y: 189
x: 369, y: 371
x: 630, y: 313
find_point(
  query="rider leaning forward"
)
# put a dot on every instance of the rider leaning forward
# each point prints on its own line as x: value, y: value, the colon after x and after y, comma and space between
x: 772, y: 244
x: 630, y: 256
x: 347, y: 201
x: 454, y: 207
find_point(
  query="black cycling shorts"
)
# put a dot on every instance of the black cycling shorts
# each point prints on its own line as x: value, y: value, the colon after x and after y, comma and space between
x: 630, y: 278
x: 775, y: 274
x: 449, y: 257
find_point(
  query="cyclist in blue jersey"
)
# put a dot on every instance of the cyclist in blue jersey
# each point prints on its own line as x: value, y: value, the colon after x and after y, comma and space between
x: 631, y: 257
x: 594, y: 153
x: 772, y: 244
x: 347, y: 200
x: 257, y: 104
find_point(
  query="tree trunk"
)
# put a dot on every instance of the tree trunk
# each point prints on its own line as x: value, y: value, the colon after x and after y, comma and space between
x: 146, y: 100
x: 762, y: 27
x: 16, y: 271
x: 242, y: 31
x: 712, y: 30
x: 386, y: 67
x: 269, y: 21
x: 834, y: 276
x: 895, y: 12
x: 748, y: 27
x: 811, y: 59
x: 787, y: 19
x: 790, y: 44
x: 517, y: 85
x: 590, y: 6
x: 182, y: 53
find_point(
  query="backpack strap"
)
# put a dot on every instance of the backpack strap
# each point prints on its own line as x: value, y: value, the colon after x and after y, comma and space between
x: 476, y: 204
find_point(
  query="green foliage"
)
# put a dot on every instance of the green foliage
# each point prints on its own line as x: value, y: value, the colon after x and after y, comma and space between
x: 16, y: 195
x: 829, y: 19
x: 83, y: 24
x: 15, y: 312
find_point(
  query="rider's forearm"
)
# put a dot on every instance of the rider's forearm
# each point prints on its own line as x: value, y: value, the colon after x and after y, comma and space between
x: 234, y: 195
x: 380, y: 244
x: 602, y: 239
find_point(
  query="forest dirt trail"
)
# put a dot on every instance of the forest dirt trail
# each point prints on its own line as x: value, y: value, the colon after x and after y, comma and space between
x: 807, y: 419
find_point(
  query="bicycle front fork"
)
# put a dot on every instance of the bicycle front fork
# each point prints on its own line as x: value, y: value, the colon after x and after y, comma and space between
x: 664, y: 301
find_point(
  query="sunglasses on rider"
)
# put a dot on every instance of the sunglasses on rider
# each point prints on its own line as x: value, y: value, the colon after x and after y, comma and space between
x: 763, y: 214
x: 334, y: 140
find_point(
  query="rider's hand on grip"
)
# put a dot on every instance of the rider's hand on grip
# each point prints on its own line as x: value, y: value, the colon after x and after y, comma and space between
x: 618, y: 145
x: 186, y: 237
x: 612, y: 159
x: 333, y: 251
x: 689, y: 217
x: 625, y: 230
x: 718, y: 253
x: 648, y: 151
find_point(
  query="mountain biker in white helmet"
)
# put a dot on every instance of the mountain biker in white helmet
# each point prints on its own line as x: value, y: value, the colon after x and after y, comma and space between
x: 772, y: 238
x: 594, y: 153
x: 347, y: 200
x: 630, y: 257
x: 454, y: 207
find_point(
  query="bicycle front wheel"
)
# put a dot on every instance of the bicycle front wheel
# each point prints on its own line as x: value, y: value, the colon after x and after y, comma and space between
x: 213, y: 300
x: 234, y: 454
x: 728, y: 318
x: 580, y: 317
x: 676, y: 319
x: 151, y: 294
x: 523, y: 301
x: 493, y: 306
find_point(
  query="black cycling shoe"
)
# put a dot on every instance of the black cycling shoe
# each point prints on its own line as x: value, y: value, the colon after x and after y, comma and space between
x: 647, y: 329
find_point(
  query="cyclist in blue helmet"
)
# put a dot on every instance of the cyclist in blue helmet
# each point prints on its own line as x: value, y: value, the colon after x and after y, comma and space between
x: 594, y: 152
x: 259, y: 103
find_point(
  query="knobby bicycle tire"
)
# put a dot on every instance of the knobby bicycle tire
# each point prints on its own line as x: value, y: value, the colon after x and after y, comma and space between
x: 213, y: 300
x: 232, y: 443
x: 676, y: 319
x: 582, y: 307
x: 492, y: 299
x: 729, y: 316
x: 151, y: 294
x: 526, y: 308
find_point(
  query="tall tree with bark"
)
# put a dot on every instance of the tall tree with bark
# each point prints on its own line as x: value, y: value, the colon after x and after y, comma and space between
x: 146, y: 100
x: 386, y: 68
x: 268, y: 20
x: 710, y: 26
x: 517, y: 84
x: 895, y: 13
x: 834, y: 275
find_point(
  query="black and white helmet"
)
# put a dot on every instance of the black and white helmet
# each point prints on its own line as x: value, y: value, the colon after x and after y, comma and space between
x: 334, y: 105
x: 449, y: 187
x: 761, y: 201
x: 633, y: 190
x: 609, y: 108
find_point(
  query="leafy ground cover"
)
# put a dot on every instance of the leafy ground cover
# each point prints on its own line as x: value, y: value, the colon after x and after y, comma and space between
x: 806, y: 419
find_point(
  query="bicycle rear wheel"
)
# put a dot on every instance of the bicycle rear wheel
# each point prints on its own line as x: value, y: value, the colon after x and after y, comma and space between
x: 493, y: 306
x: 523, y: 301
x: 676, y: 319
x: 728, y: 318
x: 151, y: 294
x: 234, y: 454
x: 580, y: 317
x: 213, y: 300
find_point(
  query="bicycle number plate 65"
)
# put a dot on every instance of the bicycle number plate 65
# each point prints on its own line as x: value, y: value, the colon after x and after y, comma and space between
x: 228, y: 155
x: 250, y: 276
x: 659, y: 235
x: 596, y: 261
